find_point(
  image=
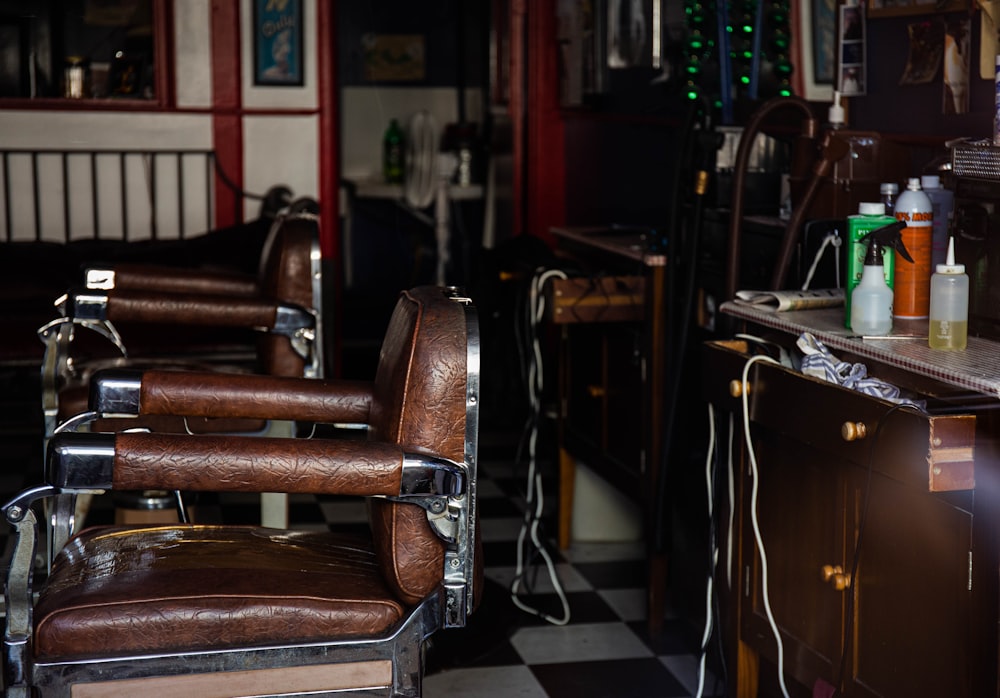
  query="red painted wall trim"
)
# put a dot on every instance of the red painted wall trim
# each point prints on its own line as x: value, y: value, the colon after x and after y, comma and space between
x: 329, y: 128
x: 227, y: 124
x: 545, y: 156
x: 165, y: 77
x: 516, y: 106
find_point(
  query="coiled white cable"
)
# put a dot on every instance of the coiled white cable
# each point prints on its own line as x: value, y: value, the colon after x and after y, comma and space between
x: 534, y: 499
x: 756, y: 525
x: 421, y: 174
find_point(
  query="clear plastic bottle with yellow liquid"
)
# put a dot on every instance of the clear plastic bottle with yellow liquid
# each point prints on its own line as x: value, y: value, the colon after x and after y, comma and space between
x: 949, y: 311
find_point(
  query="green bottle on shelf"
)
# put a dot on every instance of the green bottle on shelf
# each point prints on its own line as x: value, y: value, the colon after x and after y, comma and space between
x: 392, y: 153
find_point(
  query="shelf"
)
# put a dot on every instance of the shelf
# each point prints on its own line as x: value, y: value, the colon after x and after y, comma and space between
x: 378, y: 189
x: 63, y: 104
x: 976, y: 369
x: 629, y: 243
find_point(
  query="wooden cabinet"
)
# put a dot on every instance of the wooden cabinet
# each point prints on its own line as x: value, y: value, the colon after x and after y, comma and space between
x: 602, y: 380
x: 611, y: 315
x: 849, y: 484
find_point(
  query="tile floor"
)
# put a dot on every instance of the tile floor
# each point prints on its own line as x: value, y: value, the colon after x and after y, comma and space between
x: 604, y: 651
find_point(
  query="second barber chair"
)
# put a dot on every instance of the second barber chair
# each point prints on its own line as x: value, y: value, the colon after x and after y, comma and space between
x: 281, y: 306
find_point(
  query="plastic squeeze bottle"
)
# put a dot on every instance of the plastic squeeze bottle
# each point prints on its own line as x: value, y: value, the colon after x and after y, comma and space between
x: 949, y: 313
x: 942, y: 204
x: 871, y: 301
x: 913, y: 281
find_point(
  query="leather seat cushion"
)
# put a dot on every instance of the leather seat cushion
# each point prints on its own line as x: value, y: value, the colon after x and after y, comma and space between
x: 156, y: 593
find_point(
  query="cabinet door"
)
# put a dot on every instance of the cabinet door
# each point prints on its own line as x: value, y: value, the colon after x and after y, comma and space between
x: 911, y: 622
x: 800, y: 509
x: 605, y: 399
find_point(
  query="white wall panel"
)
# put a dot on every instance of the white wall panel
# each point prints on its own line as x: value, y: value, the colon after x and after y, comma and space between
x: 280, y: 150
x: 75, y: 129
x: 193, y: 44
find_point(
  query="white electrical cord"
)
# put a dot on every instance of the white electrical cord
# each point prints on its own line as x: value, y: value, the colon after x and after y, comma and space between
x: 756, y: 525
x: 731, y: 477
x: 709, y: 483
x: 830, y: 239
x: 534, y: 500
x: 707, y: 635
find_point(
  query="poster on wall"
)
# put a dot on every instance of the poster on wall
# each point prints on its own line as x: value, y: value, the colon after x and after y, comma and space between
x: 823, y: 40
x: 394, y: 57
x: 813, y: 26
x: 926, y: 52
x: 851, y: 81
x: 277, y: 42
x: 955, y: 96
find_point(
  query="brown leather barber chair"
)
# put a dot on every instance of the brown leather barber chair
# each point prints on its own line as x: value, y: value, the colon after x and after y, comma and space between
x: 202, y: 610
x: 154, y: 305
x: 173, y: 317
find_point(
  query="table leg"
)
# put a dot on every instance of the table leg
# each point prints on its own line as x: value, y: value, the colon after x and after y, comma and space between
x: 567, y: 480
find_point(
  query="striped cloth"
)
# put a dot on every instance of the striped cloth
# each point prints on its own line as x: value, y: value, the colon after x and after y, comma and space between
x: 818, y: 362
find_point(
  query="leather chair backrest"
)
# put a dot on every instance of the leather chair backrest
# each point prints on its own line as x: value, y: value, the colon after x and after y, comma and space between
x: 419, y: 403
x: 286, y: 274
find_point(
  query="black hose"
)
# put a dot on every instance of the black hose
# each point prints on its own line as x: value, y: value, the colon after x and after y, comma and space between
x: 709, y: 142
x: 682, y: 163
x: 747, y: 139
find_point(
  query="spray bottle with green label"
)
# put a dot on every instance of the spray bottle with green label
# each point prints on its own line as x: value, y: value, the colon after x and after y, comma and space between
x: 870, y: 216
x: 871, y: 301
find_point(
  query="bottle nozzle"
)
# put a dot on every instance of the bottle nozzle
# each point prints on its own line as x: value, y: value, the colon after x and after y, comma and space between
x: 949, y: 267
x: 886, y: 236
x: 835, y: 114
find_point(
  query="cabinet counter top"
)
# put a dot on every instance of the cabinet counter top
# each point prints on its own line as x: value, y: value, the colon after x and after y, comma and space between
x: 977, y: 368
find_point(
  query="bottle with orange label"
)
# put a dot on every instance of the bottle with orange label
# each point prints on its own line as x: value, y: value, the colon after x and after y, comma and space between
x: 911, y: 291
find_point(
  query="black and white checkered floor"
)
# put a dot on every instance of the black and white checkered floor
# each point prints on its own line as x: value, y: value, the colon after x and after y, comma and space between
x: 604, y: 650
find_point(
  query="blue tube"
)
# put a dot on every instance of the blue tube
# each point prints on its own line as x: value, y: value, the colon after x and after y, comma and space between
x: 725, y: 62
x: 758, y: 30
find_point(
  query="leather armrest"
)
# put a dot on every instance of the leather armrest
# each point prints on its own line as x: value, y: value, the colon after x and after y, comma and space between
x: 160, y: 279
x: 256, y: 464
x: 224, y: 395
x: 187, y: 309
x: 136, y: 461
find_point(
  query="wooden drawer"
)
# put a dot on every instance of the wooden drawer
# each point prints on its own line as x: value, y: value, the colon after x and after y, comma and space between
x: 597, y: 299
x: 935, y: 453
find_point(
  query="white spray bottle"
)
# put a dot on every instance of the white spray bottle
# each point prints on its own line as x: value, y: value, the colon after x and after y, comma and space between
x: 871, y: 300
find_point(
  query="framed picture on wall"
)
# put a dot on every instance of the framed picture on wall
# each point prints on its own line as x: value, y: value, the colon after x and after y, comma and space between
x: 900, y: 8
x: 813, y: 48
x: 277, y: 42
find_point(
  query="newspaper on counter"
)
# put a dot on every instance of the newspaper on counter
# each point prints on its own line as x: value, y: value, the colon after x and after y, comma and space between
x: 793, y: 300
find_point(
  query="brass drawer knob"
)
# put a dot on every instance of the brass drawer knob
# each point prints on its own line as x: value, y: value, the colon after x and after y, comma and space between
x: 834, y: 574
x: 853, y: 431
x: 596, y: 390
x: 736, y: 388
